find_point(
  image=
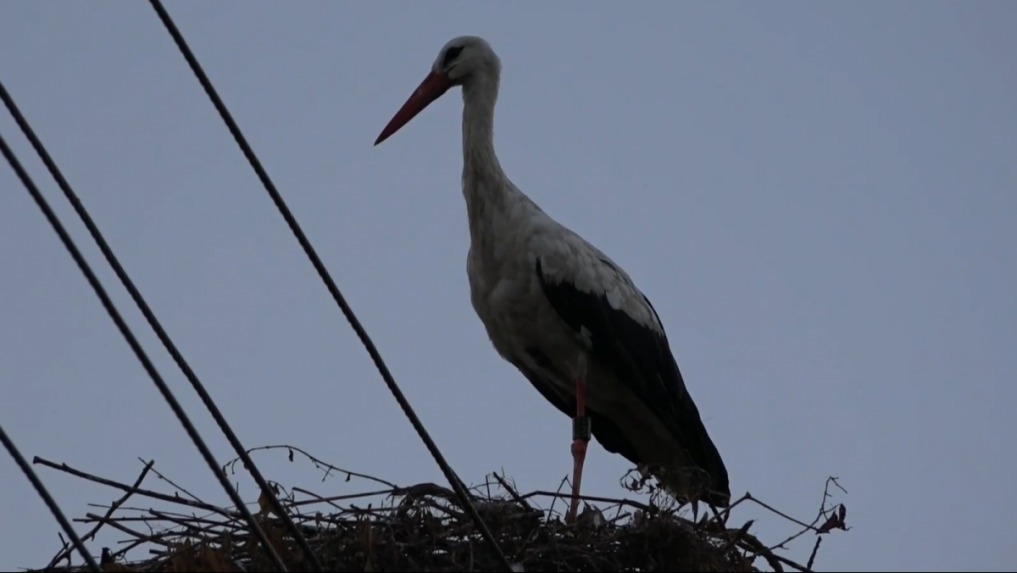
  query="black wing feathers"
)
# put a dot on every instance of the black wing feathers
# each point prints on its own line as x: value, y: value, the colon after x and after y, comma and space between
x: 641, y: 358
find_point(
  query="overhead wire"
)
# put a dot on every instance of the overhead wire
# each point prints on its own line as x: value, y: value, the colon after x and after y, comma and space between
x: 457, y: 486
x: 125, y: 330
x: 51, y: 503
x: 111, y: 258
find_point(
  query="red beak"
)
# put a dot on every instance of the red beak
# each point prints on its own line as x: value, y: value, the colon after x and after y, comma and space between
x: 432, y: 88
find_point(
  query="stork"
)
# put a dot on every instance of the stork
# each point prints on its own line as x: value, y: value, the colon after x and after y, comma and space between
x: 562, y: 312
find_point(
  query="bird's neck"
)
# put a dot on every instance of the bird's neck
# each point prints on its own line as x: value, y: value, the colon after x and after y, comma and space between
x: 487, y: 189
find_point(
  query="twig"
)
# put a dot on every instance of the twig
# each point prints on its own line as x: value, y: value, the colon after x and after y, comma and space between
x: 512, y: 491
x: 751, y: 543
x: 815, y: 550
x: 620, y: 501
x: 322, y: 465
x: 775, y: 511
x: 172, y: 483
x: 335, y: 498
x: 138, y: 491
x: 116, y: 504
x: 835, y: 521
x: 136, y: 534
x: 554, y: 497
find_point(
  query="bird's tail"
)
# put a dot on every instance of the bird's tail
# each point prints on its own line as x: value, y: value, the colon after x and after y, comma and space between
x: 702, y: 475
x: 691, y: 484
x: 714, y: 483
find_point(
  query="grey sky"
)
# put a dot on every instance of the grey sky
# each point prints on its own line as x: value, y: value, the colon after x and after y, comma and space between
x: 819, y: 199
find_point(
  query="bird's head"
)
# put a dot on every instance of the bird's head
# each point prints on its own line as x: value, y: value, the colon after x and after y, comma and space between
x: 462, y: 61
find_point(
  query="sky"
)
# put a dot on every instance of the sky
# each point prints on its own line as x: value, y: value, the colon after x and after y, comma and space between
x: 817, y: 197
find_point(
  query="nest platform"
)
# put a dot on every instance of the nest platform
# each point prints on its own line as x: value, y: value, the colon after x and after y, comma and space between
x: 425, y: 528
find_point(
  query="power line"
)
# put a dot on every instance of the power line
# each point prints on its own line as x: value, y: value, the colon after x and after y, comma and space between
x: 41, y: 489
x: 93, y: 229
x: 457, y: 486
x: 138, y: 350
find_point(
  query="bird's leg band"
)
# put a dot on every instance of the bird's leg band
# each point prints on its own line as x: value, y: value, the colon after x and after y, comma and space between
x: 581, y: 429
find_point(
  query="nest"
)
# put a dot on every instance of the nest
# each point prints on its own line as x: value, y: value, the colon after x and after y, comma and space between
x: 424, y: 528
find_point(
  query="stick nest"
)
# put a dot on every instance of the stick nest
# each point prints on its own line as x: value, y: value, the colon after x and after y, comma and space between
x: 424, y: 528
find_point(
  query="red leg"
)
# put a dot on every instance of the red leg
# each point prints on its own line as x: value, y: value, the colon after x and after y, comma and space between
x: 580, y: 440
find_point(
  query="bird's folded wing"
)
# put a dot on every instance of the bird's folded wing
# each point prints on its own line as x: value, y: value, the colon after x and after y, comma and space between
x: 636, y: 351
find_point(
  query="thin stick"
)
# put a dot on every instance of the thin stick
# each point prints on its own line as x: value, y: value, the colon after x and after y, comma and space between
x: 138, y: 491
x: 116, y: 504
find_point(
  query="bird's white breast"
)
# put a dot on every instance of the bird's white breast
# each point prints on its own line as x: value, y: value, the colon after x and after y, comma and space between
x: 505, y: 290
x: 507, y: 239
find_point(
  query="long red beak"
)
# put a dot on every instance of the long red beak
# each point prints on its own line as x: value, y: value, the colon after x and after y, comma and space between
x: 432, y: 88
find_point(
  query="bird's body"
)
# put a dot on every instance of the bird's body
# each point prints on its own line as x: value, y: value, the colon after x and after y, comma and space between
x: 561, y: 311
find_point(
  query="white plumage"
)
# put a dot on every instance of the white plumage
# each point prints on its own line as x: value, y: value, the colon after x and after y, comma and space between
x: 560, y: 310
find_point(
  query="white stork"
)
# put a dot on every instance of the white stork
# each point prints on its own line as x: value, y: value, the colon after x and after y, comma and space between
x: 563, y: 312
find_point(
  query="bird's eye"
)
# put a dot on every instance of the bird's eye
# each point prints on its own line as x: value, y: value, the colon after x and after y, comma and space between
x: 450, y: 56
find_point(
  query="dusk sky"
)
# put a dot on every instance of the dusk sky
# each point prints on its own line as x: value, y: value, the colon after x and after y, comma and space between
x: 819, y: 199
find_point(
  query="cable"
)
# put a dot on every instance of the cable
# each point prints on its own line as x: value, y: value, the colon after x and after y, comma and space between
x: 157, y: 327
x: 460, y: 492
x: 138, y: 350
x: 50, y: 502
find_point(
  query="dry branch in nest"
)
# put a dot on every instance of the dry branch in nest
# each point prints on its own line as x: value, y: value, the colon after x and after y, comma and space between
x: 422, y: 528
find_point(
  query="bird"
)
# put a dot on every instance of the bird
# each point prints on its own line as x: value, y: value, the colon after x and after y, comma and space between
x: 562, y: 312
